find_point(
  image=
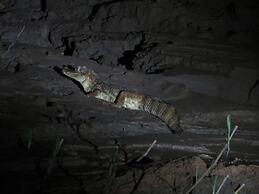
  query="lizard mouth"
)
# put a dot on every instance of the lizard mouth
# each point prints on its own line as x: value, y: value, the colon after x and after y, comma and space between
x: 73, y: 73
x: 68, y: 69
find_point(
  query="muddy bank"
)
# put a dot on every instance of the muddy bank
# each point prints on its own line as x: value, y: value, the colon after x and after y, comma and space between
x: 200, y: 57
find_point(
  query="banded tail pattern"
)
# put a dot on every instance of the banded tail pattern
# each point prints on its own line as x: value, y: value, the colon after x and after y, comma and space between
x: 163, y: 111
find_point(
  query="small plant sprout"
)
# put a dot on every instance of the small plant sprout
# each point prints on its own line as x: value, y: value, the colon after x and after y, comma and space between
x: 228, y: 132
x: 239, y: 188
x: 197, y: 173
x: 53, y: 160
x: 214, y: 182
x: 221, y: 185
x: 215, y: 162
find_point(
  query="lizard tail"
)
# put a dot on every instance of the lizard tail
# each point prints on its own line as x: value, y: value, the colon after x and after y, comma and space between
x: 164, y: 112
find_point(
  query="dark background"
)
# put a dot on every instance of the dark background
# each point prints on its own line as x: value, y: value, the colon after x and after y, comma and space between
x: 200, y: 56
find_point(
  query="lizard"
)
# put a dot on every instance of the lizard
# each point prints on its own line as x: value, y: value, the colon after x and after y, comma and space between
x: 132, y: 100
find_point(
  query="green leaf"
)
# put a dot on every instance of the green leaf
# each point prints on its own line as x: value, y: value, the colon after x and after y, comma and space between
x: 229, y: 122
x: 197, y: 172
x: 214, y: 181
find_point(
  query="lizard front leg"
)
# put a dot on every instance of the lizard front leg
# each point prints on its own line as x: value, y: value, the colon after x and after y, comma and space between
x: 93, y: 93
x: 120, y: 100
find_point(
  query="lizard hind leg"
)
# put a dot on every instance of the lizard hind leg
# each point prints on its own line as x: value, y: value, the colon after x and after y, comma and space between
x: 171, y: 119
x: 174, y: 125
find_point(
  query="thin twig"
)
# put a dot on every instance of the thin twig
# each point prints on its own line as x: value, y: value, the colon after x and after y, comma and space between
x: 214, y: 163
x: 148, y: 150
x: 14, y: 42
x: 239, y: 189
x: 137, y: 183
x: 233, y: 132
x: 221, y: 185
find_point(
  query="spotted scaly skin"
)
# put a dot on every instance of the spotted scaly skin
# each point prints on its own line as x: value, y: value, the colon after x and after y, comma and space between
x: 138, y: 101
x: 125, y: 99
x: 92, y: 85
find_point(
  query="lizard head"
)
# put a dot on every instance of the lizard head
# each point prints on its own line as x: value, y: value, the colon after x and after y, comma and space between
x: 75, y: 74
x: 88, y: 79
